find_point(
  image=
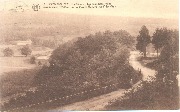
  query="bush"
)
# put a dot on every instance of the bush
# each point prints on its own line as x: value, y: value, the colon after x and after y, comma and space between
x: 154, y: 95
x: 8, y: 52
x: 26, y: 50
x: 32, y: 60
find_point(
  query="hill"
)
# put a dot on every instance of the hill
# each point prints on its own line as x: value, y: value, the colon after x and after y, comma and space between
x: 23, y: 25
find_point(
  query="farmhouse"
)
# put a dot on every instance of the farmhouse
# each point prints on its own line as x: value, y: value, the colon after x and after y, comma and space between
x: 22, y: 43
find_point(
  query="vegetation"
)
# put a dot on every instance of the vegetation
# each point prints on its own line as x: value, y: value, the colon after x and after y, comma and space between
x: 26, y: 50
x: 8, y: 52
x: 91, y: 62
x: 161, y: 38
x: 100, y: 55
x: 143, y: 39
x: 22, y: 80
x: 162, y: 92
x: 156, y: 95
x: 33, y: 60
x: 51, y: 43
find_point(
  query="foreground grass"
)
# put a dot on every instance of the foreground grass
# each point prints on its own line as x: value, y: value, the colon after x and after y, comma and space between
x: 16, y: 63
x: 16, y: 82
x: 152, y: 96
x: 50, y: 90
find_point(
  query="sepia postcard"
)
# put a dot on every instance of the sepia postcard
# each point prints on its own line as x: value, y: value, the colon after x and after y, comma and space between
x: 89, y: 55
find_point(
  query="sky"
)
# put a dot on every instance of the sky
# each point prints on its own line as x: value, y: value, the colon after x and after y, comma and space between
x: 124, y: 8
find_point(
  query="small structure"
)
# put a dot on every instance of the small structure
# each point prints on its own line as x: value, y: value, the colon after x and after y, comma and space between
x: 42, y: 60
x: 22, y: 43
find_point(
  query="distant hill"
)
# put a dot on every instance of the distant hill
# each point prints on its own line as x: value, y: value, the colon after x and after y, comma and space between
x: 23, y: 25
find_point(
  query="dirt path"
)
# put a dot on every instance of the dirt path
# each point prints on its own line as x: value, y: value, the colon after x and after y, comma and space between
x: 98, y: 103
x: 136, y: 65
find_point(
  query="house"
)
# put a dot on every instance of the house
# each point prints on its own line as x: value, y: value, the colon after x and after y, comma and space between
x: 22, y: 43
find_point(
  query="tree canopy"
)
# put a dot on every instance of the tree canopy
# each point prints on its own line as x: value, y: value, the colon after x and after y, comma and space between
x: 161, y: 37
x: 26, y: 50
x: 143, y: 39
x: 8, y: 52
x: 97, y: 59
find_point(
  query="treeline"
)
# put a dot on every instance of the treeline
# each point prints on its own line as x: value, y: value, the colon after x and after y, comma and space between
x: 162, y: 38
x: 165, y: 40
x: 51, y: 42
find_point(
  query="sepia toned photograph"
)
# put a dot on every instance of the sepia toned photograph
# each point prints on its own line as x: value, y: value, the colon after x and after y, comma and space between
x: 89, y: 55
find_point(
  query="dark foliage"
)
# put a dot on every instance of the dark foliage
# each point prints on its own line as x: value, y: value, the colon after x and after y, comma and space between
x: 161, y: 92
x: 8, y: 52
x: 33, y: 60
x: 166, y: 38
x: 156, y: 95
x: 26, y: 50
x: 143, y: 39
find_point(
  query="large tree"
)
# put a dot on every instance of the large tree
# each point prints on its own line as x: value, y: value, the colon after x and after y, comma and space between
x: 143, y: 39
x: 160, y: 38
x: 170, y: 51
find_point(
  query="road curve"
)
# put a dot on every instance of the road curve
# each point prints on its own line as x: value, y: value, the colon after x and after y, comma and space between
x: 99, y: 102
x: 147, y: 72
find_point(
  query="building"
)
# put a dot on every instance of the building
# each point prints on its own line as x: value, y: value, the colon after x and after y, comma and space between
x: 22, y: 43
x: 42, y: 60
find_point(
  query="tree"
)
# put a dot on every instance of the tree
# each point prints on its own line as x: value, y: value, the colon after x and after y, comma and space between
x: 124, y: 38
x: 168, y: 40
x: 8, y: 52
x: 160, y: 38
x: 143, y: 39
x: 26, y: 50
x: 33, y: 60
x: 175, y: 41
x: 169, y: 54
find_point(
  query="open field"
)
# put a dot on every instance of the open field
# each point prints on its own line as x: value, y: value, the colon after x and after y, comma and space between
x: 14, y: 64
x: 16, y: 72
x: 19, y: 61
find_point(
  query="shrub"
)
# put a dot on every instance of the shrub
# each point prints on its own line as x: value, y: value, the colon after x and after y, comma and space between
x: 32, y: 60
x: 151, y: 95
x: 8, y: 52
x: 26, y: 50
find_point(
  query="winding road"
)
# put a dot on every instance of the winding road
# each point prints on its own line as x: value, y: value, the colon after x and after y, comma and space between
x: 99, y: 102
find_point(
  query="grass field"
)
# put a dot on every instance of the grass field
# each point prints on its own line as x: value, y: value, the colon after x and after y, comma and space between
x: 8, y: 64
x: 15, y: 82
x: 17, y: 73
